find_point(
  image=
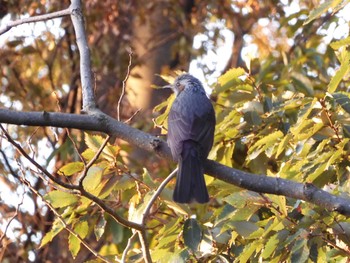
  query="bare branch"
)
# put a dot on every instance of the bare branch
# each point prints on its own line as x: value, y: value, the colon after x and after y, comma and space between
x: 89, y: 103
x: 67, y: 227
x: 11, y: 219
x: 128, y: 246
x: 145, y: 246
x: 156, y: 194
x: 258, y: 183
x: 32, y: 19
x: 37, y: 165
x: 73, y: 187
x: 92, y: 161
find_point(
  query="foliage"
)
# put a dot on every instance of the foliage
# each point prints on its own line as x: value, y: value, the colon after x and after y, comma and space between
x: 285, y: 115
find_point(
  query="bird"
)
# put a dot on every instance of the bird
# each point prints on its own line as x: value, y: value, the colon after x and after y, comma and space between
x: 191, y: 126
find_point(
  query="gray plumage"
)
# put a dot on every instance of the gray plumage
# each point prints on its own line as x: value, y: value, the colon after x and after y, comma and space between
x: 191, y: 125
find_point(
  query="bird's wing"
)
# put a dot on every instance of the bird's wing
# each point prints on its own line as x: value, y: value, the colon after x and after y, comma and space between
x: 191, y: 118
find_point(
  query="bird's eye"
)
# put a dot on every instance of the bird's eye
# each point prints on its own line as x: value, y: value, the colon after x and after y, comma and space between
x: 177, y: 84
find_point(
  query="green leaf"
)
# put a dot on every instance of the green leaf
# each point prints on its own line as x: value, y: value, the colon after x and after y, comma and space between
x: 340, y: 43
x: 56, y: 228
x: 164, y: 104
x: 99, y: 227
x: 274, y: 242
x: 137, y: 208
x: 94, y: 142
x: 343, y: 100
x: 147, y: 179
x: 61, y: 199
x: 308, y: 131
x: 230, y: 75
x: 192, y: 234
x: 71, y: 168
x: 160, y: 120
x: 244, y: 213
x: 92, y: 180
x: 253, y: 118
x: 323, y: 8
x: 179, y: 256
x: 282, y: 146
x: 300, y: 251
x: 81, y: 229
x: 243, y: 198
x: 249, y: 249
x: 108, y: 185
x: 162, y: 255
x: 346, y: 130
x: 74, y: 245
x: 341, y: 72
x: 302, y: 83
x: 88, y: 154
x: 264, y: 143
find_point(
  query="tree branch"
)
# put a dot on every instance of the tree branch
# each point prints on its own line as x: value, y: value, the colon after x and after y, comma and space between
x: 63, y: 222
x: 77, y: 17
x: 11, y: 219
x: 156, y: 194
x: 103, y: 123
x: 38, y: 18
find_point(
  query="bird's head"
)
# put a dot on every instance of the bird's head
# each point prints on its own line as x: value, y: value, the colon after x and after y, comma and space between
x: 185, y: 82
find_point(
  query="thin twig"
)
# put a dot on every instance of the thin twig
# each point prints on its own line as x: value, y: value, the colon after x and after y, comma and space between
x: 11, y: 219
x: 156, y: 194
x: 128, y: 246
x: 67, y: 227
x: 92, y: 161
x: 124, y: 85
x: 42, y: 169
x: 75, y: 188
x: 30, y: 140
x: 329, y: 118
x: 110, y: 211
x: 145, y: 246
x: 7, y: 163
x: 38, y: 18
x: 130, y: 119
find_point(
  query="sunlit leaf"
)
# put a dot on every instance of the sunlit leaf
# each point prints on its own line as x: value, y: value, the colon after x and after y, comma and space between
x: 94, y: 142
x: 74, y: 245
x: 60, y: 199
x: 340, y: 43
x: 271, y: 245
x: 341, y: 72
x: 323, y: 8
x: 56, y: 228
x: 93, y: 179
x: 231, y: 74
x: 249, y: 249
x: 71, y: 168
x: 81, y: 229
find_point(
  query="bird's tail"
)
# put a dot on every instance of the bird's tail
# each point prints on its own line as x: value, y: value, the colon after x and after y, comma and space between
x: 190, y: 183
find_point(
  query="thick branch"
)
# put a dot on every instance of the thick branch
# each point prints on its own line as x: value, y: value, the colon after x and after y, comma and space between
x: 85, y: 63
x: 258, y: 183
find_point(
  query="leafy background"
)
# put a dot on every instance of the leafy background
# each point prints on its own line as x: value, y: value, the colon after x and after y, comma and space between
x: 283, y: 114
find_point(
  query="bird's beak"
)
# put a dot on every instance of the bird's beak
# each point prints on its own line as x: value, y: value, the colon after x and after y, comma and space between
x: 167, y: 87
